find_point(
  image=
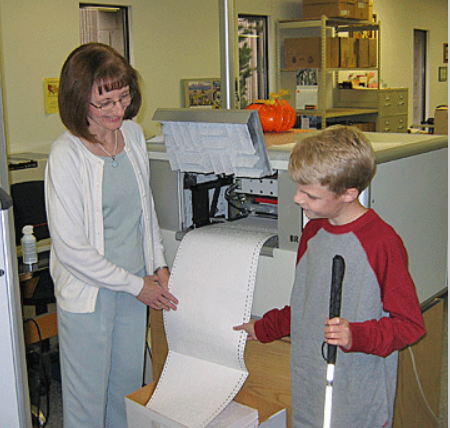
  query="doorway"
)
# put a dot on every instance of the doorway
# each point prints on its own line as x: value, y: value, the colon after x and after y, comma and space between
x: 105, y: 24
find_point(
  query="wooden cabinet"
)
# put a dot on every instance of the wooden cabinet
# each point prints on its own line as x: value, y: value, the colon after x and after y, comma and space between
x: 391, y: 105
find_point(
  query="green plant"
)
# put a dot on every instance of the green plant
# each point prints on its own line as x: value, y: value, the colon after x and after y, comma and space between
x: 245, y: 56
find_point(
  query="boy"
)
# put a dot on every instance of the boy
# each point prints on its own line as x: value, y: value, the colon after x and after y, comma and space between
x: 380, y: 312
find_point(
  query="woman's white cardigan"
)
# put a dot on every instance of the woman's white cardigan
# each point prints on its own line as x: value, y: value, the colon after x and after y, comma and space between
x: 73, y: 187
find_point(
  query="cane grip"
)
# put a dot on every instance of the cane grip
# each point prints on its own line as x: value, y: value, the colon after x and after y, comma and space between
x: 337, y: 277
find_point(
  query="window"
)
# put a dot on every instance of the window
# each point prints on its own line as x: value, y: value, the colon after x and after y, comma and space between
x: 105, y: 24
x: 420, y: 67
x: 253, y: 70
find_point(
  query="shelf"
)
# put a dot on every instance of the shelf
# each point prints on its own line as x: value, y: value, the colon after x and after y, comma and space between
x: 299, y: 28
x: 346, y: 24
x: 338, y: 112
x: 286, y: 70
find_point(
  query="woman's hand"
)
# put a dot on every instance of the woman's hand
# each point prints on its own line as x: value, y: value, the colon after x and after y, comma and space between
x: 249, y: 327
x: 155, y: 292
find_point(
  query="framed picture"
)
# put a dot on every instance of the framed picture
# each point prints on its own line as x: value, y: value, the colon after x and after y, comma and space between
x: 442, y: 74
x: 201, y: 93
x: 445, y: 53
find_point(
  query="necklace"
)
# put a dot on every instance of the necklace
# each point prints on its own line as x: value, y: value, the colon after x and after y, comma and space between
x: 114, y: 163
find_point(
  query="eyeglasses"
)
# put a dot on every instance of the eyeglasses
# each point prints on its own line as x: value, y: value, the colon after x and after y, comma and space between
x: 125, y: 100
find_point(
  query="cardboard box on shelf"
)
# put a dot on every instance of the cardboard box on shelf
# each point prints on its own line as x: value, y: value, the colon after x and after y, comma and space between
x: 366, y: 50
x: 306, y: 52
x: 366, y: 127
x: 314, y: 9
x: 362, y: 10
x: 308, y: 2
x: 441, y: 120
x: 271, y: 414
x: 373, y: 52
x: 370, y: 11
x: 348, y: 52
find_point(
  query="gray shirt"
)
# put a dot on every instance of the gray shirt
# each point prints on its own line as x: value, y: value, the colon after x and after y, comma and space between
x: 364, y: 384
x: 122, y: 212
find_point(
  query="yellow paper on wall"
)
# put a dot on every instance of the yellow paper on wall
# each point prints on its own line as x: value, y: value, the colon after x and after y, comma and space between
x: 51, y: 87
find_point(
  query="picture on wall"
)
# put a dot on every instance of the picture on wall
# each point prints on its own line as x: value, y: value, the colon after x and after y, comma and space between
x: 201, y: 93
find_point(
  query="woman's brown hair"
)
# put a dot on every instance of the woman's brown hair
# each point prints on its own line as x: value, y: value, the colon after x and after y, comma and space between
x: 87, y: 65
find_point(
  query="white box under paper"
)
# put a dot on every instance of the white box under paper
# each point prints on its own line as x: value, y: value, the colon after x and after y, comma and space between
x: 236, y: 415
x: 213, y: 278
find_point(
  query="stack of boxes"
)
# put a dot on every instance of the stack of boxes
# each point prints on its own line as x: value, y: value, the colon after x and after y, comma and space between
x: 358, y: 51
x: 342, y: 52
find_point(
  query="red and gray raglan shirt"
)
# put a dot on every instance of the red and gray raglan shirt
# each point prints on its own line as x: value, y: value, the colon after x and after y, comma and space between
x: 379, y: 301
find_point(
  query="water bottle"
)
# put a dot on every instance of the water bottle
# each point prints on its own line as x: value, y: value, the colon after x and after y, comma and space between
x: 29, y: 250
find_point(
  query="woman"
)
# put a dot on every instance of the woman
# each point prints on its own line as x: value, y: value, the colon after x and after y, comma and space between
x: 107, y: 258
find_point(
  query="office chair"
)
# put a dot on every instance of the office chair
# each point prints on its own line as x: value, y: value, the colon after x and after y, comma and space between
x: 29, y: 208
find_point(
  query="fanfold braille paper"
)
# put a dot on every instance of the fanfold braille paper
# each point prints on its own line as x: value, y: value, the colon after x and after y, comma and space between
x: 221, y: 148
x: 213, y: 277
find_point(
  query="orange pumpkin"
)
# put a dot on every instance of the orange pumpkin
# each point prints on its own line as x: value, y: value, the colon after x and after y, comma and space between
x: 275, y: 115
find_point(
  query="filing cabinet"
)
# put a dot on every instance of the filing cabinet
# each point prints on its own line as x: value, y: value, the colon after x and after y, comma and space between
x: 391, y: 105
x: 392, y: 124
x: 393, y: 110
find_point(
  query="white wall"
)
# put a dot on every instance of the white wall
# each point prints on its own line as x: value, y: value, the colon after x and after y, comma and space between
x: 172, y: 40
x: 399, y: 19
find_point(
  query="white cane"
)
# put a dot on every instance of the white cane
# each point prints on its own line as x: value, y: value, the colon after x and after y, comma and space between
x: 337, y: 277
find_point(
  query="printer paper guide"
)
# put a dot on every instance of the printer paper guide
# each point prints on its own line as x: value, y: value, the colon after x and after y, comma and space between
x: 213, y: 278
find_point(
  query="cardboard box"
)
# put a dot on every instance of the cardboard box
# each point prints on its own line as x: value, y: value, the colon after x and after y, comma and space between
x: 309, y: 2
x: 306, y: 53
x: 366, y: 52
x: 441, y: 120
x: 271, y: 414
x: 373, y: 52
x: 331, y: 9
x: 366, y: 127
x: 348, y: 53
x: 362, y: 10
x: 370, y: 12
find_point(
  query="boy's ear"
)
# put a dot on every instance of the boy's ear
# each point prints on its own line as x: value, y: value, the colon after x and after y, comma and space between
x: 350, y: 195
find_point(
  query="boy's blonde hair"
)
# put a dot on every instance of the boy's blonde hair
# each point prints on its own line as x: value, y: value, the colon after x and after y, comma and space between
x: 339, y: 157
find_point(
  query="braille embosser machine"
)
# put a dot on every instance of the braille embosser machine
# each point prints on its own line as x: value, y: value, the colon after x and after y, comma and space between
x: 213, y: 166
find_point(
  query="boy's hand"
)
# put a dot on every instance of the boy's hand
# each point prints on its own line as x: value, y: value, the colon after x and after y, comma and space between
x: 337, y: 332
x: 249, y: 327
